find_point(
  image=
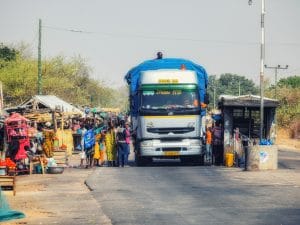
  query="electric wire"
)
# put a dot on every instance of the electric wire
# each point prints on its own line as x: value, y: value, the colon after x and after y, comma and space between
x: 140, y: 36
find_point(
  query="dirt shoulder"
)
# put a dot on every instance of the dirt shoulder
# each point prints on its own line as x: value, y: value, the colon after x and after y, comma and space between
x: 285, y: 142
x: 56, y: 199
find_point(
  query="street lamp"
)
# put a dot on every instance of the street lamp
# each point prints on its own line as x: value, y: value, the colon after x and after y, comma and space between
x: 262, y: 58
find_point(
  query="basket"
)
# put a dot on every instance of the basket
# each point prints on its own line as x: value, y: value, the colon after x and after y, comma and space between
x: 55, y: 169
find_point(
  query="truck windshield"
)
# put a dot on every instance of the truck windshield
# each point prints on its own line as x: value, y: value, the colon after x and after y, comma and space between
x: 169, y: 99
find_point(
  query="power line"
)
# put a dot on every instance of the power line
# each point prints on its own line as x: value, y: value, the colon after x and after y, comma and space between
x: 141, y: 36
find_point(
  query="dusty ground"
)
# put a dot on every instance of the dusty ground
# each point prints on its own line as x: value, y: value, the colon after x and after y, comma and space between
x: 283, y: 140
x: 56, y: 199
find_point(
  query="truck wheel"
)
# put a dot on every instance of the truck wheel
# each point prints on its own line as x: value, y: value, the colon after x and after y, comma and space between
x: 138, y: 160
x: 199, y: 160
x: 142, y: 161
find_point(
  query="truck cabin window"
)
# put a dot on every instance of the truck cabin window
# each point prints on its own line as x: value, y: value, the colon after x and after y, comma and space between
x: 169, y: 99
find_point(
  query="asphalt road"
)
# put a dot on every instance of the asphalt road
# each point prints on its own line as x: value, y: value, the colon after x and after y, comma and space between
x: 288, y: 159
x: 169, y: 193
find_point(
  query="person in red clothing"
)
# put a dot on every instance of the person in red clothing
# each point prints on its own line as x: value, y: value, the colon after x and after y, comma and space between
x: 208, y: 154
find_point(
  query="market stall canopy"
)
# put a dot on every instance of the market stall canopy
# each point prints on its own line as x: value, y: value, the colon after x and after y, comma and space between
x: 16, y: 118
x: 246, y: 101
x: 50, y: 102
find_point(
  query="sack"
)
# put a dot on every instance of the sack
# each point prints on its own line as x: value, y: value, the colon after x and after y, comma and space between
x: 89, y: 139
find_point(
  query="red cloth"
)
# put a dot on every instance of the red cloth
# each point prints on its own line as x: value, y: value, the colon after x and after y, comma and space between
x: 21, y: 154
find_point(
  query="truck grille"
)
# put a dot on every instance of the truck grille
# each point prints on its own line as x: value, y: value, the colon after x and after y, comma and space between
x: 174, y: 130
x: 170, y: 149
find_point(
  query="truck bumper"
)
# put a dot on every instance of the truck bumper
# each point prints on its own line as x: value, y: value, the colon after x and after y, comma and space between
x: 174, y: 149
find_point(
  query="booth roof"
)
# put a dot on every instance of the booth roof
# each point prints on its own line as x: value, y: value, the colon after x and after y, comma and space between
x: 246, y: 101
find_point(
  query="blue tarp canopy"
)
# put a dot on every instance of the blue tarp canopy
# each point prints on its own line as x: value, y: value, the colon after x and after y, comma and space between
x: 133, y: 75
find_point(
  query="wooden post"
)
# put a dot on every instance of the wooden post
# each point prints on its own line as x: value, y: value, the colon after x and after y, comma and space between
x: 54, y: 121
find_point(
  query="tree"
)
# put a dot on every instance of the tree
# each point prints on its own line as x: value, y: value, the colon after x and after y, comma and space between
x: 67, y: 79
x: 292, y: 82
x: 229, y: 84
x: 7, y: 54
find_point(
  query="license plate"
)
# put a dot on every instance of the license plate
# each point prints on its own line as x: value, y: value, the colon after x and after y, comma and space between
x: 171, y: 153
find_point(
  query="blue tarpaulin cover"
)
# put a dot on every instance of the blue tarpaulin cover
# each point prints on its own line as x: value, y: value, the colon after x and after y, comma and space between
x: 132, y: 77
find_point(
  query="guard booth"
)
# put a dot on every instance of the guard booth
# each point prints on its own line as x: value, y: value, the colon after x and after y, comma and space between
x: 241, y: 121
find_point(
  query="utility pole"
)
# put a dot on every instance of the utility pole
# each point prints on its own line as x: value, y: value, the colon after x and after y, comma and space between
x: 262, y: 58
x: 276, y: 68
x: 39, y: 83
x: 1, y: 98
x: 214, y: 94
x: 239, y: 88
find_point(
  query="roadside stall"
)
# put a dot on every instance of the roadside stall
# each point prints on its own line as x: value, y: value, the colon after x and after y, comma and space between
x: 241, y: 130
x: 50, y: 130
x: 16, y: 129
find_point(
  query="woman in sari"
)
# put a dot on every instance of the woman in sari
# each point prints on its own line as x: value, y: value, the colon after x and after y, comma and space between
x: 110, y: 144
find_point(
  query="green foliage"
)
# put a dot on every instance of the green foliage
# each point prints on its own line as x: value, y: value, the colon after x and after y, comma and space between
x: 7, y: 54
x: 229, y: 84
x: 67, y: 79
x: 292, y: 82
x: 289, y: 106
x: 288, y: 95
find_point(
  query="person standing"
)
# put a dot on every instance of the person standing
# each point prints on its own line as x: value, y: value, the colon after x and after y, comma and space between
x: 110, y: 143
x: 217, y: 144
x: 122, y: 147
x: 48, y: 140
x: 102, y: 149
x: 89, y: 143
x: 127, y: 140
x: 97, y: 150
x: 208, y: 145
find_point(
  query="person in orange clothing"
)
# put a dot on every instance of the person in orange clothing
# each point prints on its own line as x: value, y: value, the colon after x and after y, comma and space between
x: 102, y: 149
x: 208, y: 154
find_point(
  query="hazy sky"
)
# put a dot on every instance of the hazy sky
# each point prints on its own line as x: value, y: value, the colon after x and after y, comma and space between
x: 221, y: 35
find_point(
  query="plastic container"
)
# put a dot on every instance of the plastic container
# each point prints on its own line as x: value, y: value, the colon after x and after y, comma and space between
x: 55, y: 169
x: 229, y: 159
x: 2, y: 170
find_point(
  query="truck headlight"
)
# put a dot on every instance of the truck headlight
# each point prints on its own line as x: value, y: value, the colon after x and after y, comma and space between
x: 146, y: 144
x: 195, y: 142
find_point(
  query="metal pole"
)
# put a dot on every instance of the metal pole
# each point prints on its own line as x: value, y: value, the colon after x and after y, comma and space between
x: 262, y: 57
x: 39, y: 84
x: 1, y: 98
x: 214, y: 94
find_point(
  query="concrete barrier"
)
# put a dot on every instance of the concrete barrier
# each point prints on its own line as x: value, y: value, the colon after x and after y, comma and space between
x: 262, y: 157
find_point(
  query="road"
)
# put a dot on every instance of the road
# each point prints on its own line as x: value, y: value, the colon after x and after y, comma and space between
x: 169, y: 193
x: 288, y: 159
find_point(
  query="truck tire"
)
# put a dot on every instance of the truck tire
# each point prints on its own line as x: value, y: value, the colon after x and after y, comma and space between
x: 142, y: 161
x: 138, y: 160
x: 199, y: 160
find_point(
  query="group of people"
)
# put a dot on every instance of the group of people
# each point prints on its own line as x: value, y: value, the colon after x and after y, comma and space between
x: 104, y: 144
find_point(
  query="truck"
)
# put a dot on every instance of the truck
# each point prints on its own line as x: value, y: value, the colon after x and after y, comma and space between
x: 167, y: 101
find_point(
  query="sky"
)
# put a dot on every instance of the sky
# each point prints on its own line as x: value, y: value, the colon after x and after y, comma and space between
x: 115, y: 35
